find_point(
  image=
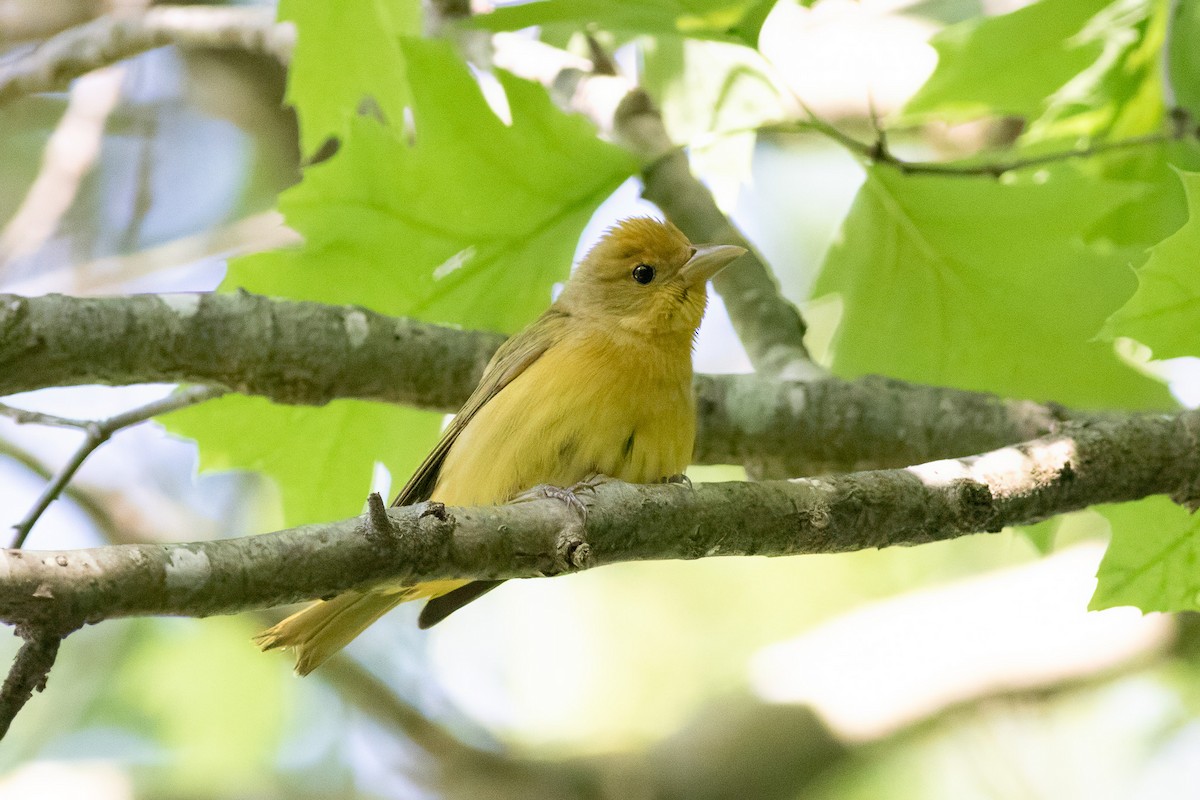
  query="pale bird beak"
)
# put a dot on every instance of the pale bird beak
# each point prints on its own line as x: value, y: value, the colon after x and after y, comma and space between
x: 708, y: 260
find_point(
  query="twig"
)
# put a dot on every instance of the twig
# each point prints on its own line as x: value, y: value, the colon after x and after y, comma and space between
x: 96, y: 434
x: 115, y: 37
x: 30, y: 20
x: 24, y: 416
x: 377, y: 700
x: 29, y: 672
x: 879, y: 153
x: 996, y: 169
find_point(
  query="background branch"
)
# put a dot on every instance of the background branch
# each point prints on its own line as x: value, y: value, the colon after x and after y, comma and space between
x: 68, y: 158
x: 311, y: 353
x: 112, y: 38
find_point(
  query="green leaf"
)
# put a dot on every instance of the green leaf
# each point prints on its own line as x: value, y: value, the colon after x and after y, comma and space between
x: 1008, y: 64
x: 1041, y: 534
x: 1164, y: 312
x: 1121, y: 93
x: 322, y: 459
x: 737, y: 21
x: 1153, y: 560
x: 985, y: 285
x: 347, y: 61
x: 470, y: 224
x: 1183, y: 56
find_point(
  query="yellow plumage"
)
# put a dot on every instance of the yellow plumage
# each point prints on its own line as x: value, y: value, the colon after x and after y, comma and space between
x: 599, y: 384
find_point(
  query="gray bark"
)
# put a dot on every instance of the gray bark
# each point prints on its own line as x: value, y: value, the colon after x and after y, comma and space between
x: 1087, y: 463
x: 311, y: 353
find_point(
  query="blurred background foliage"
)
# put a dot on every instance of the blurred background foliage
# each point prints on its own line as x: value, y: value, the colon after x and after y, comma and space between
x: 423, y: 185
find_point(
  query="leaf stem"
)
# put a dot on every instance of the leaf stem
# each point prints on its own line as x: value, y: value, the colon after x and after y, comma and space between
x: 878, y: 152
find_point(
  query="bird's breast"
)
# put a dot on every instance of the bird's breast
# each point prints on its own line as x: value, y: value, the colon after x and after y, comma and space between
x: 588, y: 405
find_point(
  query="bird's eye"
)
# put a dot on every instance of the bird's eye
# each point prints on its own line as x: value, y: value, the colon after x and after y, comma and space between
x: 643, y: 273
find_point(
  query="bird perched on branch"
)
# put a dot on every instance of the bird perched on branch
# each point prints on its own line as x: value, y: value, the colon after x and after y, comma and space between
x: 600, y: 384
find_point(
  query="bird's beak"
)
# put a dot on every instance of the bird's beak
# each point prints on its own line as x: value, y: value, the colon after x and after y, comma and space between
x: 708, y: 260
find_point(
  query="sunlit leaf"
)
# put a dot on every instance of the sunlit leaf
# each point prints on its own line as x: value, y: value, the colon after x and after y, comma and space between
x: 985, y: 285
x: 1008, y: 64
x: 1183, y: 58
x: 1153, y: 560
x: 1121, y: 93
x: 347, y: 61
x: 1164, y: 312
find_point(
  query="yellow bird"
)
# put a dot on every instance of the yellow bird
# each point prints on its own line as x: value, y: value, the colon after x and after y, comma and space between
x: 600, y: 384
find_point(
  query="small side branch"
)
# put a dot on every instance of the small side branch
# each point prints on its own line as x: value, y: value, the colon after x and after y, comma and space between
x: 96, y: 434
x: 28, y: 674
x: 878, y: 152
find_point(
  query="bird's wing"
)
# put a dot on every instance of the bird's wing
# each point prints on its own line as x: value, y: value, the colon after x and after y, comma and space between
x: 513, y: 358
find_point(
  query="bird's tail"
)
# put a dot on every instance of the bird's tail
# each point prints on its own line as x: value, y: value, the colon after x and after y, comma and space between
x: 326, y: 626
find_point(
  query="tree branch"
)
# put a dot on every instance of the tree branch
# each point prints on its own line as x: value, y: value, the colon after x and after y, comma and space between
x: 311, y: 353
x: 1088, y: 463
x: 115, y: 37
x: 290, y: 351
x: 28, y: 673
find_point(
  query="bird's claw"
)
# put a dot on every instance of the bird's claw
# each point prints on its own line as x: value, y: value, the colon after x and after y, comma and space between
x: 678, y: 479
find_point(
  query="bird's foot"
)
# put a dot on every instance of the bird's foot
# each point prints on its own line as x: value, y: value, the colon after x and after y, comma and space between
x: 678, y: 479
x: 545, y: 490
x: 568, y: 495
x: 592, y: 482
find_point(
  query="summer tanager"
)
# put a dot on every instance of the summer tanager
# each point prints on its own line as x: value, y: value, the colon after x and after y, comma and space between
x: 600, y: 384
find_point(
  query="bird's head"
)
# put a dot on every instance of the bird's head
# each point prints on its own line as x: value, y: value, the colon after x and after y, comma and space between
x: 645, y: 276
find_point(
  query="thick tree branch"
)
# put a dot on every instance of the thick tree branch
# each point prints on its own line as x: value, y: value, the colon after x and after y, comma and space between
x: 109, y: 39
x: 290, y: 351
x: 1088, y: 463
x: 311, y: 353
